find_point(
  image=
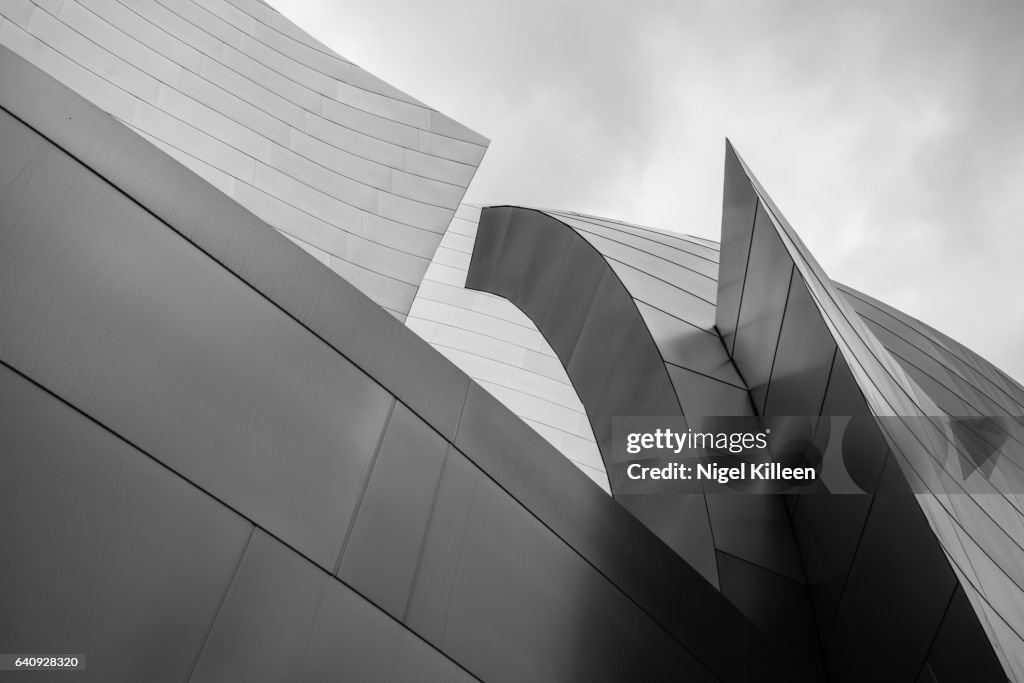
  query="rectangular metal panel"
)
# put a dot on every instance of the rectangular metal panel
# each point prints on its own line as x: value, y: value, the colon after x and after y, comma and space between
x: 778, y: 606
x: 451, y: 148
x: 235, y: 108
x: 276, y: 21
x: 827, y: 529
x: 660, y: 294
x: 286, y: 66
x: 354, y: 142
x: 400, y: 236
x: 154, y: 36
x: 637, y: 370
x: 479, y: 368
x: 765, y: 290
x: 252, y: 92
x: 193, y: 140
x: 383, y: 290
x: 674, y: 246
x: 228, y: 15
x: 627, y: 552
x: 675, y: 251
x: 445, y: 125
x: 147, y: 333
x: 451, y: 257
x: 537, y: 408
x: 113, y: 99
x: 178, y: 26
x: 293, y: 42
x: 488, y: 347
x: 689, y: 346
x: 291, y: 220
x: 683, y: 525
x: 282, y: 86
x: 105, y: 552
x: 962, y: 651
x: 654, y: 261
x: 772, y: 546
x: 285, y: 619
x: 383, y: 551
x: 62, y: 38
x: 213, y: 123
x: 437, y: 168
x: 527, y: 337
x: 703, y: 396
x: 383, y: 105
x: 489, y: 621
x: 427, y: 190
x: 219, y: 179
x: 920, y: 582
x: 578, y: 278
x: 364, y: 122
x: 307, y: 199
x: 414, y: 212
x: 538, y: 385
x: 542, y: 364
x: 341, y: 162
x: 328, y: 182
x: 804, y: 358
x: 119, y: 43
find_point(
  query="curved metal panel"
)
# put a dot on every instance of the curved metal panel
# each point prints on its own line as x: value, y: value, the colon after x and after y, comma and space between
x: 570, y: 287
x: 356, y: 172
x: 565, y: 286
x: 499, y: 346
x: 165, y: 325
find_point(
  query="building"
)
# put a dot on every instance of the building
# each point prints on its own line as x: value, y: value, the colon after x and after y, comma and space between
x: 229, y: 454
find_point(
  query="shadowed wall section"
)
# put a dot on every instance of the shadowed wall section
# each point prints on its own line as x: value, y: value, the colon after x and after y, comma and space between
x: 883, y: 591
x: 497, y: 345
x: 880, y: 581
x: 585, y: 284
x: 222, y: 461
x: 566, y: 288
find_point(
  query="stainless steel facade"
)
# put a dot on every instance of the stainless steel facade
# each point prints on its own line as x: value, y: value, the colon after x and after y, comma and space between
x: 223, y: 462
x: 253, y: 472
x: 356, y: 172
x: 359, y: 174
x: 893, y: 578
x: 501, y: 349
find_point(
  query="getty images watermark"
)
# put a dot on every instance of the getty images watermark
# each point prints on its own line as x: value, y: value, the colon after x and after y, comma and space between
x: 816, y: 454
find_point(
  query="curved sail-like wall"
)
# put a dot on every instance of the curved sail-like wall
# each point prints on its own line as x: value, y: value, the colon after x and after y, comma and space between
x: 361, y: 175
x: 219, y: 461
x: 615, y: 309
x: 941, y: 525
x: 499, y: 346
x: 333, y: 475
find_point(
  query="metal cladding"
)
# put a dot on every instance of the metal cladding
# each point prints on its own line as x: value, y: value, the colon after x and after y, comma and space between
x: 222, y: 457
x: 223, y: 462
x: 928, y: 557
x: 498, y: 346
x: 971, y: 524
x: 635, y: 333
x: 359, y: 174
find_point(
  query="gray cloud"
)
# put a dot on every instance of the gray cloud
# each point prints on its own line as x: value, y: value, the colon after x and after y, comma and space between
x: 887, y: 132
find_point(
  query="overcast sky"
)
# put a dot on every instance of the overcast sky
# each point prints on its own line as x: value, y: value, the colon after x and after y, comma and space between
x: 890, y: 134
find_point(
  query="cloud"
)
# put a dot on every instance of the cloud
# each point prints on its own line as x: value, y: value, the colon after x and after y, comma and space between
x: 887, y: 132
